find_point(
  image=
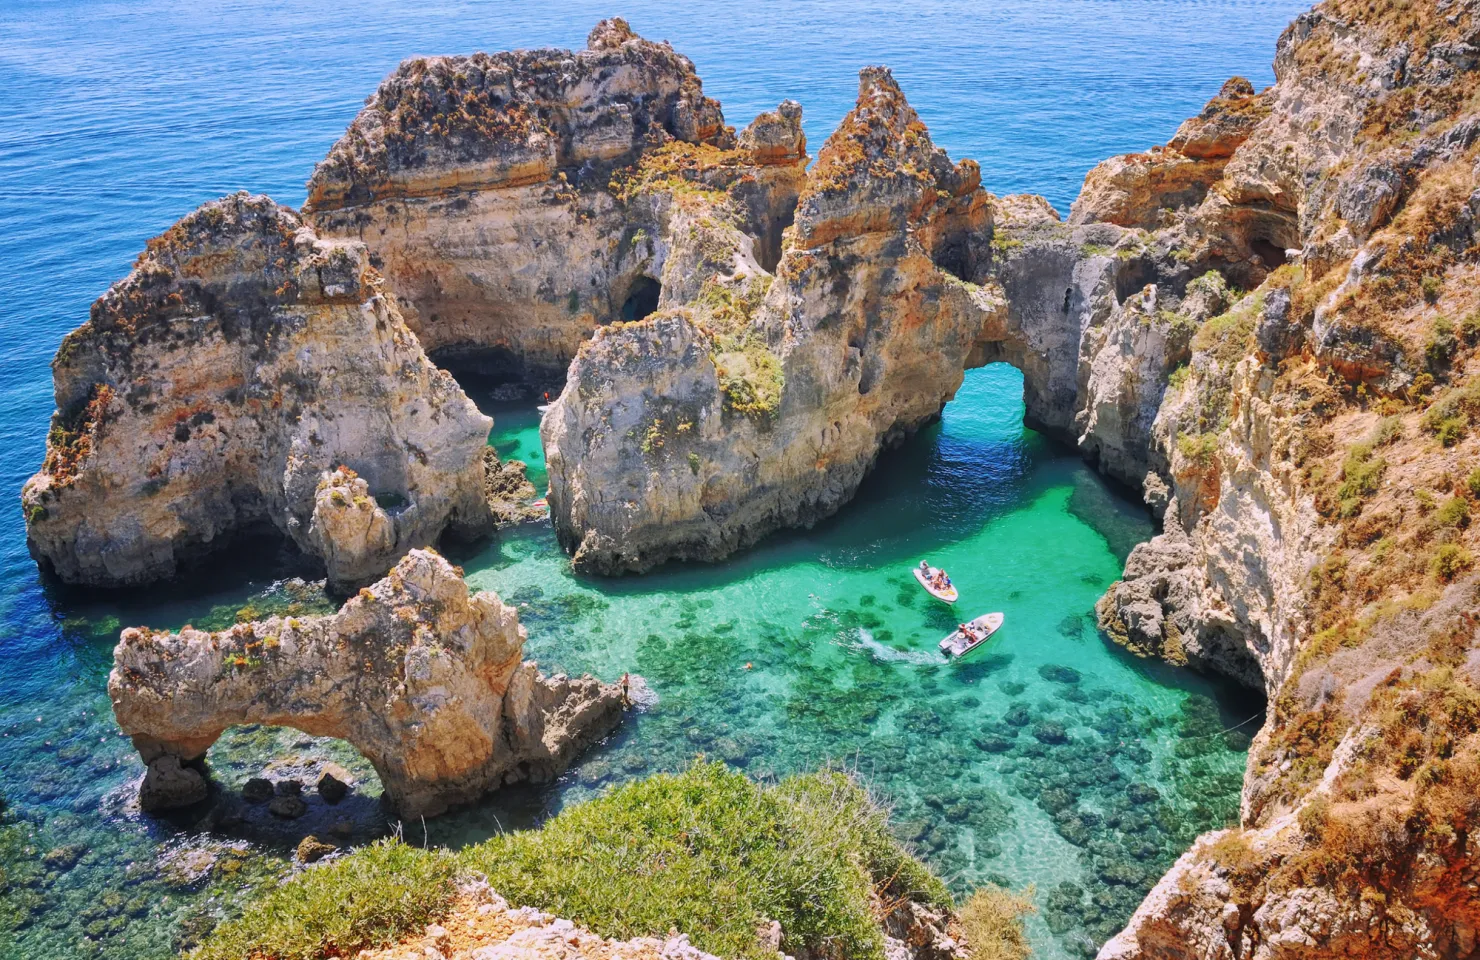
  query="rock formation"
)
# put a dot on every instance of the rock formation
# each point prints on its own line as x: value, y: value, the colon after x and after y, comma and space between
x: 1268, y: 325
x: 1316, y: 465
x: 484, y: 187
x: 762, y: 400
x: 422, y: 677
x: 250, y: 375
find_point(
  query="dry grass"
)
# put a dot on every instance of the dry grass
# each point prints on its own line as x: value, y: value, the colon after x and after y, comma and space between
x: 992, y: 921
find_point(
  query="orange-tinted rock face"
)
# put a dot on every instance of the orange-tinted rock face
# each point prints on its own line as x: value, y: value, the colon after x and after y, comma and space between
x: 491, y: 191
x: 242, y: 359
x: 422, y: 677
x: 1140, y: 189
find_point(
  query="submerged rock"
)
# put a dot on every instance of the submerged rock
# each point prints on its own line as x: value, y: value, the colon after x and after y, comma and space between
x: 257, y: 790
x: 168, y: 783
x: 419, y: 674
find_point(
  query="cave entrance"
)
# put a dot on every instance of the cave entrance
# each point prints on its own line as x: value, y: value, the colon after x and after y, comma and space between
x: 1270, y: 252
x: 642, y: 299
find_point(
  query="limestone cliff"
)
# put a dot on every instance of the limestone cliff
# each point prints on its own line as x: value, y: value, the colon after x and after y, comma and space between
x: 424, y: 678
x: 1316, y: 463
x: 488, y: 191
x: 216, y: 389
x: 762, y: 401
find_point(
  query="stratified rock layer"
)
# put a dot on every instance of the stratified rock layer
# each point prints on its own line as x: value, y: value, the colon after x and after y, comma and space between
x: 216, y: 389
x: 760, y: 402
x: 425, y: 679
x: 484, y: 187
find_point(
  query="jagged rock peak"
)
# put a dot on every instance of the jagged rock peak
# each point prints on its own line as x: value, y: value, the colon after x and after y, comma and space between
x: 515, y: 118
x: 610, y: 34
x: 880, y: 164
x: 212, y: 387
x: 422, y: 676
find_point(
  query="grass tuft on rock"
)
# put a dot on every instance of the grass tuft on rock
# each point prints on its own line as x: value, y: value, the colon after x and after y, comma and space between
x: 369, y: 899
x: 992, y: 920
x: 712, y: 854
x: 707, y: 852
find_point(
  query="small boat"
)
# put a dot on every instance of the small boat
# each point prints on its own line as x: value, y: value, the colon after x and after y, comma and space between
x: 543, y: 407
x: 949, y: 594
x: 957, y: 645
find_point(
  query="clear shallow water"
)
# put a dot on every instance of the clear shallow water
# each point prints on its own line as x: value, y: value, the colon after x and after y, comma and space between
x: 123, y: 116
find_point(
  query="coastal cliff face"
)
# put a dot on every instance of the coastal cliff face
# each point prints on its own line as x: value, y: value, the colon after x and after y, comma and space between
x: 425, y: 679
x: 484, y: 189
x: 1316, y: 463
x: 763, y: 400
x: 249, y: 375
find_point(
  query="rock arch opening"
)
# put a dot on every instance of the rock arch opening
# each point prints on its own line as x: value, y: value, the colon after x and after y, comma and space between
x: 642, y: 299
x: 420, y: 675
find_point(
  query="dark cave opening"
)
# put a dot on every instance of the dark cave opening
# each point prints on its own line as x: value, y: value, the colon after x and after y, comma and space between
x: 642, y: 299
x: 1271, y: 253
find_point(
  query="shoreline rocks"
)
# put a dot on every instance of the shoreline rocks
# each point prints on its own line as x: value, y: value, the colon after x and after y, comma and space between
x: 423, y: 677
x: 235, y: 381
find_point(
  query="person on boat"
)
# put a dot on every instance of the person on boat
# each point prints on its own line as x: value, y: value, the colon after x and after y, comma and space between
x: 967, y: 632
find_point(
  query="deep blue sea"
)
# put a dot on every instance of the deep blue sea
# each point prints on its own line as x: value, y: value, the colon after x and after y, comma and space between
x: 121, y: 117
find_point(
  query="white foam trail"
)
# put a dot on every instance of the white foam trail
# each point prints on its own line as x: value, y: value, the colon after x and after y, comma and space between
x: 888, y: 654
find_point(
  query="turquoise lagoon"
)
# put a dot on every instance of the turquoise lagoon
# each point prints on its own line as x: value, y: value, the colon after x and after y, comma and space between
x: 1047, y: 757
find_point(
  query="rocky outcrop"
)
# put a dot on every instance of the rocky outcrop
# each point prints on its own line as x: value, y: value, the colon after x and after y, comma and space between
x: 762, y: 401
x: 481, y: 925
x: 219, y: 387
x: 1140, y: 189
x: 491, y: 191
x: 1318, y: 541
x: 422, y: 677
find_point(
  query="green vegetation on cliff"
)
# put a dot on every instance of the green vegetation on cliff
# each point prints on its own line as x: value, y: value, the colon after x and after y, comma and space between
x: 707, y: 852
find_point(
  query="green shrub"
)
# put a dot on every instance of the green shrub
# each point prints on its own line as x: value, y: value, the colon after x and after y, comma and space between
x: 1450, y: 560
x: 1473, y: 482
x: 1361, y: 474
x: 369, y: 899
x: 1454, y: 513
x: 707, y: 852
x: 1469, y: 327
x: 1200, y: 448
x: 712, y: 854
x: 993, y: 923
x: 1388, y: 430
x: 1432, y: 286
x: 1179, y: 376
x: 1448, y: 418
x: 1451, y: 431
x: 1441, y: 346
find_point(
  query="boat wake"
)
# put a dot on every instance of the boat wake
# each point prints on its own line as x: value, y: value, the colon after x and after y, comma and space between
x: 881, y: 651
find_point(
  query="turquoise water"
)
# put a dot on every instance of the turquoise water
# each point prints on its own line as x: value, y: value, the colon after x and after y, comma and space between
x: 124, y: 115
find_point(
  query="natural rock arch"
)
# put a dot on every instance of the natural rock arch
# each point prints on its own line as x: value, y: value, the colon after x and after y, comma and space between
x: 755, y: 401
x: 421, y: 676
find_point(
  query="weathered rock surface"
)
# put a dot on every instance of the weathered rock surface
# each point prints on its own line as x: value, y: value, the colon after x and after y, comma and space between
x: 763, y: 401
x: 485, y: 188
x: 483, y: 926
x: 216, y: 389
x: 1317, y: 538
x: 424, y: 678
